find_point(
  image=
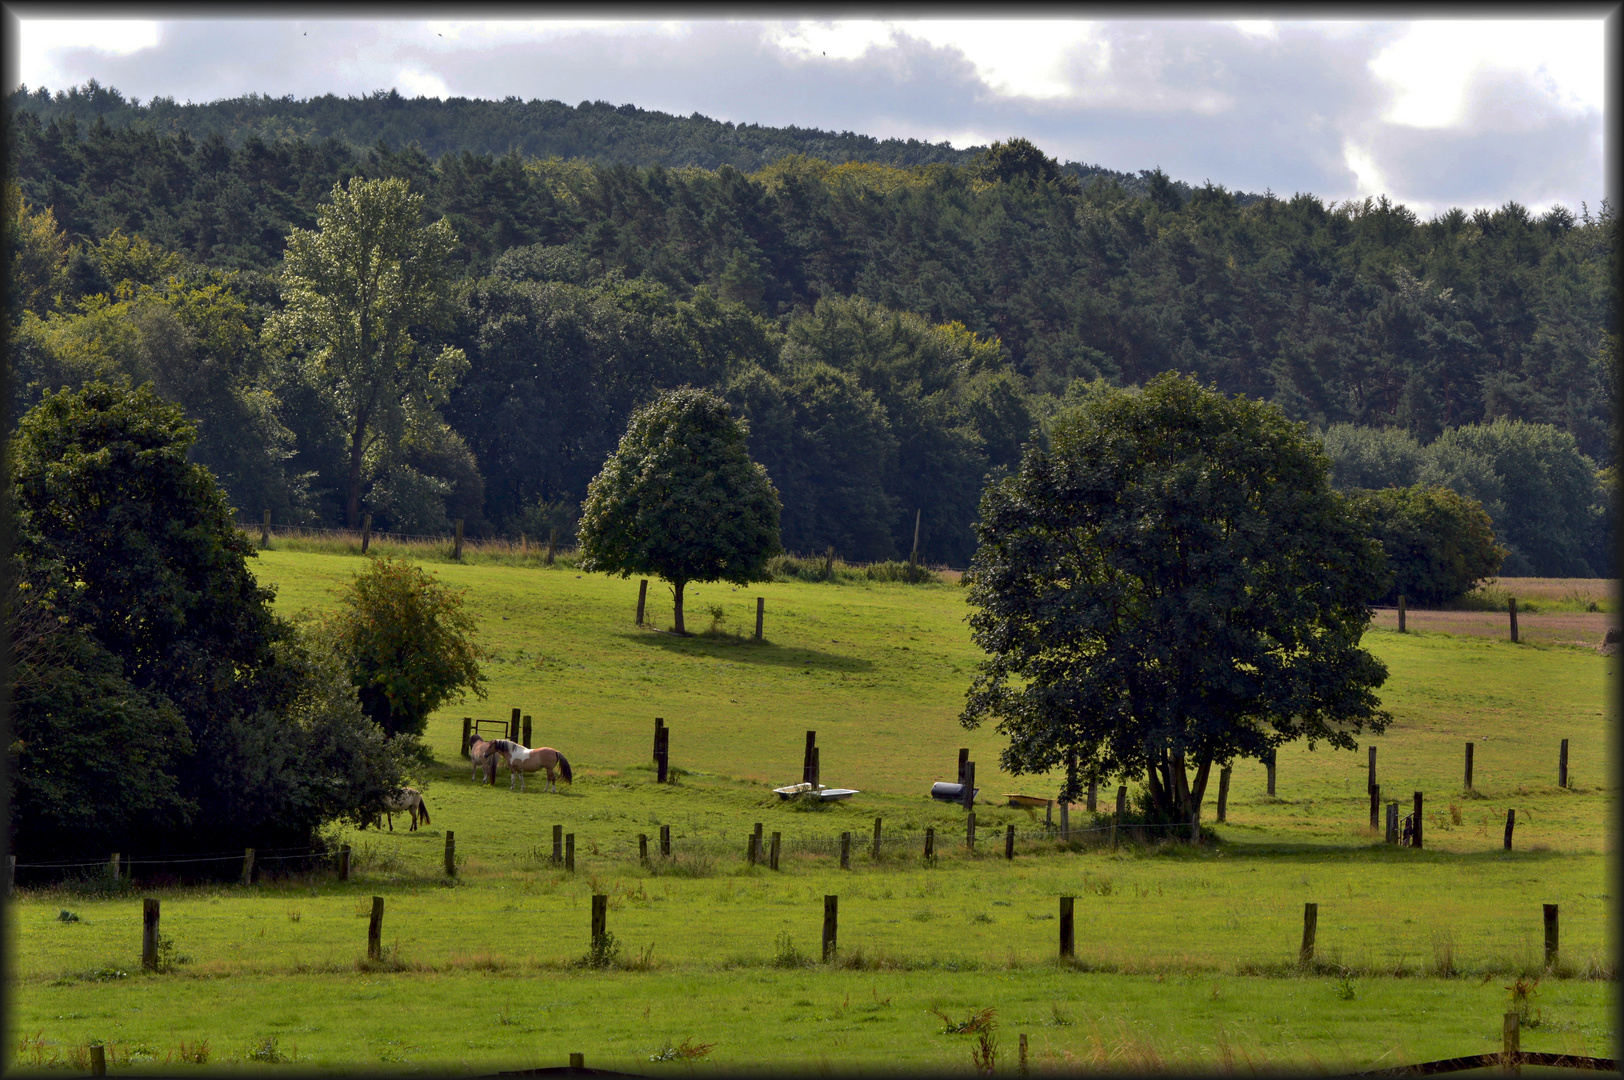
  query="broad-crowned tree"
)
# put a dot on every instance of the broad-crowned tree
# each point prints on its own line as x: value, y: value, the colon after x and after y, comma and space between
x: 681, y: 498
x: 1439, y: 543
x: 1171, y: 584
x: 356, y: 290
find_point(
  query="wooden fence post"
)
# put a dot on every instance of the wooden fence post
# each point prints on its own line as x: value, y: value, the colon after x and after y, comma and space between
x: 577, y: 1061
x: 1371, y: 781
x: 558, y: 844
x: 1305, y: 955
x: 600, y: 917
x: 642, y: 599
x: 1093, y: 794
x: 265, y: 531
x: 876, y: 839
x: 1401, y: 613
x: 1468, y: 766
x: 467, y: 733
x: 1121, y: 810
x: 772, y: 852
x: 344, y: 863
x: 456, y: 550
x: 98, y: 1059
x: 1223, y: 793
x: 930, y: 842
x: 662, y: 755
x: 1562, y: 766
x: 247, y: 866
x: 845, y: 851
x: 375, y: 930
x: 1511, y: 606
x: 366, y: 532
x: 831, y: 926
x: 659, y: 725
x: 964, y: 756
x: 1068, y: 928
x: 806, y: 757
x: 1511, y: 823
x: 450, y: 853
x: 1022, y: 1060
x: 1392, y: 823
x: 1009, y: 842
x: 149, y: 933
x: 642, y: 847
x: 552, y: 545
x: 513, y: 726
x: 829, y: 564
x: 1511, y: 1042
x: 525, y: 730
x: 569, y: 852
x: 1375, y: 806
x: 761, y: 615
x: 970, y: 833
x: 817, y: 769
x: 969, y: 792
x: 1065, y: 823
x: 1550, y: 935
x: 1415, y: 840
x: 665, y: 841
x: 112, y: 864
x: 1270, y: 764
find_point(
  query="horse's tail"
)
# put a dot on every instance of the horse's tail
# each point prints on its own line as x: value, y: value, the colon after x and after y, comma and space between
x: 423, y: 809
x: 564, y: 768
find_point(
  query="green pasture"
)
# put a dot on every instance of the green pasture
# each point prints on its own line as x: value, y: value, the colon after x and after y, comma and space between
x: 1184, y: 957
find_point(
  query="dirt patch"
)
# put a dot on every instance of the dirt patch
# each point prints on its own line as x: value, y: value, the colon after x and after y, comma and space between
x: 1576, y: 628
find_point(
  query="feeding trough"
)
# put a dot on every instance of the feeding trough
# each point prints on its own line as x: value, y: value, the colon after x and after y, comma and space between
x: 945, y: 792
x: 1031, y: 802
x: 828, y: 794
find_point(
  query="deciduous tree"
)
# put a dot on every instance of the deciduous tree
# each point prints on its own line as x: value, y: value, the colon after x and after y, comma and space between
x: 681, y: 498
x: 1172, y: 584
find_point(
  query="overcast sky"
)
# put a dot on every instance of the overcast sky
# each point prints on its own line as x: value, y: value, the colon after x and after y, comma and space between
x: 1433, y: 114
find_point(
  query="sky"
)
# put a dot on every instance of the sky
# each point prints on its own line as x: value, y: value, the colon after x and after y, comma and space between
x: 1432, y: 113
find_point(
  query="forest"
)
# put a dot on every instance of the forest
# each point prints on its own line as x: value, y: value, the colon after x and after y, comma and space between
x: 894, y: 321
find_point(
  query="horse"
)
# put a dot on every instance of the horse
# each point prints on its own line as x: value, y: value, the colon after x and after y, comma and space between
x: 406, y: 801
x: 483, y: 758
x: 522, y: 760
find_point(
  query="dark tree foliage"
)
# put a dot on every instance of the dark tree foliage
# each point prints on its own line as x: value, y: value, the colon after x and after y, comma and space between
x: 681, y: 498
x: 1439, y: 544
x: 1358, y: 313
x: 1172, y: 584
x: 144, y: 634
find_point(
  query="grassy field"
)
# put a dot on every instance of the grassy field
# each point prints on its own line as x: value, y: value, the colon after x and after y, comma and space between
x: 1184, y: 957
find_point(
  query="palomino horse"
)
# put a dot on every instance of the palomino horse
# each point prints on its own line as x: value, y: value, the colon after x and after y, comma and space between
x: 406, y: 801
x: 521, y: 760
x: 483, y: 757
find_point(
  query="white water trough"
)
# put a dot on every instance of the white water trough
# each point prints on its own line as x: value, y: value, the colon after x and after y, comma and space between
x: 816, y: 791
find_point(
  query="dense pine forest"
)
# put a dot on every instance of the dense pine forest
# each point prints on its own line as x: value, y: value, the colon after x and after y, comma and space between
x: 894, y: 320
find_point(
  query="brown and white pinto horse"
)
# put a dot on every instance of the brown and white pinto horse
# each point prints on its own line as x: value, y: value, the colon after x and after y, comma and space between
x: 406, y: 801
x: 483, y: 757
x: 522, y: 760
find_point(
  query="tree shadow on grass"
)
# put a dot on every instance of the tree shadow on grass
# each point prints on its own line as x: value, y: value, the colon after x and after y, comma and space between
x: 743, y: 650
x: 1332, y: 851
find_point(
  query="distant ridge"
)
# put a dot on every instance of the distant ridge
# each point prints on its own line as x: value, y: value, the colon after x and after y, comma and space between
x: 594, y: 131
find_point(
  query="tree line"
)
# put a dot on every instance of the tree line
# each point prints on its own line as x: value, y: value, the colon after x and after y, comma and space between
x: 891, y: 333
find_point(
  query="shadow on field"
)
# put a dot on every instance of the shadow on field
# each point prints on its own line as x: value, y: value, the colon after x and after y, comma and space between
x: 1383, y: 853
x: 748, y: 651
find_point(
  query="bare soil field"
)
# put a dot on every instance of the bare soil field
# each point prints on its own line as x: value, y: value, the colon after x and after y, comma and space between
x: 1557, y: 627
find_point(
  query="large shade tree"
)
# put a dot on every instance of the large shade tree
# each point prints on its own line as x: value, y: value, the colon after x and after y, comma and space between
x: 681, y: 498
x: 356, y: 290
x: 1171, y: 584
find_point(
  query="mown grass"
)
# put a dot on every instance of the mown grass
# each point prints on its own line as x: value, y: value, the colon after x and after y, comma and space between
x: 1185, y: 958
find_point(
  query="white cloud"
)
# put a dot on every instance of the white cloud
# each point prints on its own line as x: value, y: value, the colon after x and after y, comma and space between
x: 847, y: 39
x: 1261, y: 28
x: 1368, y: 177
x: 41, y: 42
x: 1020, y: 58
x: 415, y: 83
x: 1430, y: 70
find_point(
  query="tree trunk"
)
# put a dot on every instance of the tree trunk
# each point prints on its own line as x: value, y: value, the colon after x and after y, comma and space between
x: 352, y: 501
x: 676, y: 591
